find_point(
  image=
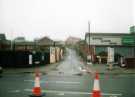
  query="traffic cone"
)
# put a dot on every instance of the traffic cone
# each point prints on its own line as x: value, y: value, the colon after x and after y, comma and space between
x: 36, y: 91
x: 96, y: 88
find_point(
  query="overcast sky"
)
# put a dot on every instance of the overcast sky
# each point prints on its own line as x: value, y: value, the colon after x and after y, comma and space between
x: 59, y: 19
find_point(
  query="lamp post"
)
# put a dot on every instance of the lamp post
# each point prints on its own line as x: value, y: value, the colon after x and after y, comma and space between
x: 89, y: 52
x: 89, y: 35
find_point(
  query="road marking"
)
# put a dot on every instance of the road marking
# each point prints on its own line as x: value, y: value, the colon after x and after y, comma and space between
x: 15, y: 91
x: 57, y: 82
x: 114, y: 96
x: 65, y: 82
x: 71, y: 92
x: 60, y: 94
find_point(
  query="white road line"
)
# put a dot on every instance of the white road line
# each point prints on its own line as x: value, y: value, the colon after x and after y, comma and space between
x: 70, y: 92
x: 60, y: 94
x: 58, y: 82
x: 14, y: 91
x: 28, y: 80
x: 33, y: 81
x: 64, y: 82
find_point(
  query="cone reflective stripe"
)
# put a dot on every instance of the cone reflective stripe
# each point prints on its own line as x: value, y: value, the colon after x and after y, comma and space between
x: 96, y: 88
x: 37, y: 81
x: 37, y: 89
x: 96, y: 83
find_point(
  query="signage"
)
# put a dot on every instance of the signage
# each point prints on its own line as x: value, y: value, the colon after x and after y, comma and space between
x: 110, y: 55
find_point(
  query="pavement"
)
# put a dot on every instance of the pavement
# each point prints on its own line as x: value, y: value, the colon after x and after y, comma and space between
x: 103, y: 68
x: 44, y: 69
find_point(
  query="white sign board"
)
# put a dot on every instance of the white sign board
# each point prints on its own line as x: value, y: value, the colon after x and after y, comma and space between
x: 52, y: 55
x: 30, y: 59
x: 110, y: 55
x: 89, y: 57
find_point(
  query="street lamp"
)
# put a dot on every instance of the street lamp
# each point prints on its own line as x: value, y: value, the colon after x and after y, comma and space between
x: 89, y: 35
x: 89, y: 52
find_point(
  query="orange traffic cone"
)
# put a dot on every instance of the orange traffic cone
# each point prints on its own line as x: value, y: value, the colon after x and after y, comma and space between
x: 37, y: 89
x: 96, y: 89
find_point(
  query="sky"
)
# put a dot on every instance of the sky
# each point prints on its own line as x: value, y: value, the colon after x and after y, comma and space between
x: 59, y: 19
x: 133, y: 11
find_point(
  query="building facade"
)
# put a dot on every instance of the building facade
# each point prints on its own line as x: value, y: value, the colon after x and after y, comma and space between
x: 123, y: 44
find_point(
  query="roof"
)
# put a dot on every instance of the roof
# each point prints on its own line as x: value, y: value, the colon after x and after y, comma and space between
x: 72, y: 40
x: 111, y: 34
x: 59, y: 43
x: 19, y: 39
x: 45, y: 41
x: 24, y: 43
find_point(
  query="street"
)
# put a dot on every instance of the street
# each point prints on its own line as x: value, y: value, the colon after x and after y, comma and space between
x: 67, y: 80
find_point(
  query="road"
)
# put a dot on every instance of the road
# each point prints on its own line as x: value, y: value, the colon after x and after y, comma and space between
x: 67, y: 80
